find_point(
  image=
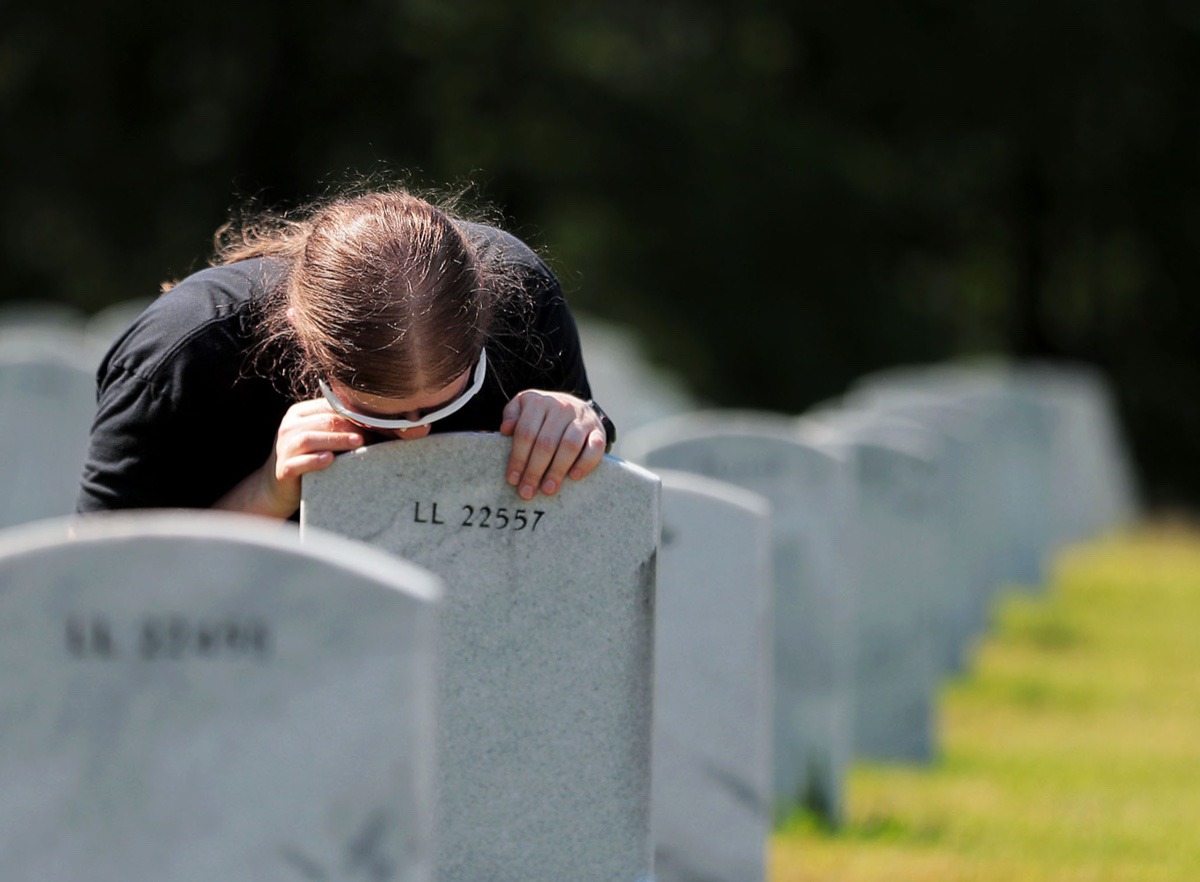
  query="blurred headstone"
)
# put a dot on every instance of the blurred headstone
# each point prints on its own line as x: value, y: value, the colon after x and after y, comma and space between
x: 47, y: 402
x: 34, y: 315
x: 546, y: 656
x: 712, y: 701
x: 968, y: 491
x: 1062, y: 468
x: 631, y: 390
x: 1020, y: 434
x: 105, y: 327
x: 191, y: 697
x: 809, y: 490
x: 1095, y: 489
x: 895, y: 534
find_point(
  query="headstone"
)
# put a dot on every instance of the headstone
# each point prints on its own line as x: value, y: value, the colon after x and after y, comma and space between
x: 105, y: 327
x: 968, y: 492
x: 895, y: 534
x: 1067, y: 475
x: 191, y: 697
x: 1021, y: 436
x: 39, y: 315
x: 546, y: 657
x: 808, y: 487
x: 1030, y: 478
x: 47, y: 402
x: 712, y: 701
x: 1094, y: 485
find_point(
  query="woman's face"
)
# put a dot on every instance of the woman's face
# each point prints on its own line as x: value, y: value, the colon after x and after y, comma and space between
x: 412, y: 408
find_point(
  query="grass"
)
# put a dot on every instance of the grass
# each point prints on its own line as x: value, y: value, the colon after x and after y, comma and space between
x: 1070, y: 752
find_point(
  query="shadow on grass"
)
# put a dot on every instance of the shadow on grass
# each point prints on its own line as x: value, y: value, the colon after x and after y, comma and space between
x: 873, y: 828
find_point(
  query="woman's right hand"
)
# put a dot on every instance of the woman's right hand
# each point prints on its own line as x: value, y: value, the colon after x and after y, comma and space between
x: 309, y: 435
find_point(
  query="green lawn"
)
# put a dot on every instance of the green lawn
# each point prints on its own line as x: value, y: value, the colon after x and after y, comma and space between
x: 1071, y: 751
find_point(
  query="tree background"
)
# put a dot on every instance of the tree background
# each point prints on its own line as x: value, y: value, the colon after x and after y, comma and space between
x: 778, y: 196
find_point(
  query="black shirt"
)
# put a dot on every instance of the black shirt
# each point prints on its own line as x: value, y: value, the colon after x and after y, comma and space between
x: 187, y: 409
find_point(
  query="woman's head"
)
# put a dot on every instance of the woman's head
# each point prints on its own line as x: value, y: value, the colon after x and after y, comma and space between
x: 381, y: 293
x: 386, y: 296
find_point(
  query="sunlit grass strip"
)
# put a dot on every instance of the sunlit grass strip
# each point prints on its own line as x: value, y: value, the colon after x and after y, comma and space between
x: 1070, y: 752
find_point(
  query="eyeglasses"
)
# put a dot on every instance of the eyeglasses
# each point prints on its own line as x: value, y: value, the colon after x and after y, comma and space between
x: 373, y: 422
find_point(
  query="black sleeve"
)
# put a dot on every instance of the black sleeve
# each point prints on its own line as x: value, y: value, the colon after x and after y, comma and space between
x: 544, y: 331
x: 180, y: 416
x: 541, y: 331
x: 534, y: 342
x: 556, y: 326
x: 558, y: 337
x: 133, y: 448
x: 180, y: 444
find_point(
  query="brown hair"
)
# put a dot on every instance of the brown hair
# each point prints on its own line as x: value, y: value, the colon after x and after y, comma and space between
x: 381, y: 291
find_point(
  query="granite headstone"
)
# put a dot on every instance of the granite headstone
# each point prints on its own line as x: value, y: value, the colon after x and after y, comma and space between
x: 546, y: 658
x: 1020, y: 438
x: 47, y: 402
x: 191, y: 697
x: 895, y: 533
x: 712, y: 700
x: 968, y: 545
x: 808, y: 487
x: 38, y: 315
x: 1094, y: 484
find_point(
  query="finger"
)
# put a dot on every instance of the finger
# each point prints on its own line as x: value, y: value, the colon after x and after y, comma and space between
x: 549, y: 439
x: 591, y: 456
x: 293, y: 467
x: 311, y: 406
x: 327, y: 422
x: 317, y: 442
x: 569, y: 448
x: 318, y: 414
x: 323, y: 421
x: 524, y: 434
x: 508, y: 419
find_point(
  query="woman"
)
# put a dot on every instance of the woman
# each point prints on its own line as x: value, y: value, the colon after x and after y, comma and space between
x: 373, y: 316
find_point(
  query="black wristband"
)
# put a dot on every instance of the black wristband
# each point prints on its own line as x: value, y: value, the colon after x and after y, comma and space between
x: 610, y: 430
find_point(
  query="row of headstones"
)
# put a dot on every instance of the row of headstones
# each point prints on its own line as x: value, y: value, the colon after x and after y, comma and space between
x: 897, y: 514
x: 197, y: 696
x: 893, y: 519
x: 174, y: 627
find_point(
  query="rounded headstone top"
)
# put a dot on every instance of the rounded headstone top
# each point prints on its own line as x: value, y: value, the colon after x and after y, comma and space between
x: 468, y: 447
x: 106, y: 325
x: 700, y: 485
x: 50, y: 536
x: 857, y: 428
x: 717, y: 423
x: 62, y: 346
x: 25, y: 314
x: 928, y: 407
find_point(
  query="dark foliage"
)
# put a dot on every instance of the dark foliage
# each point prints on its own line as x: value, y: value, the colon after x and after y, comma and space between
x: 782, y: 196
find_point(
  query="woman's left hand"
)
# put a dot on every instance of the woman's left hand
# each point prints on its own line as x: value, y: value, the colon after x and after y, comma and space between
x: 554, y: 435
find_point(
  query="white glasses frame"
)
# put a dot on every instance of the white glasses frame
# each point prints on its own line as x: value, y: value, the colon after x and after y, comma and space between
x: 373, y: 422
